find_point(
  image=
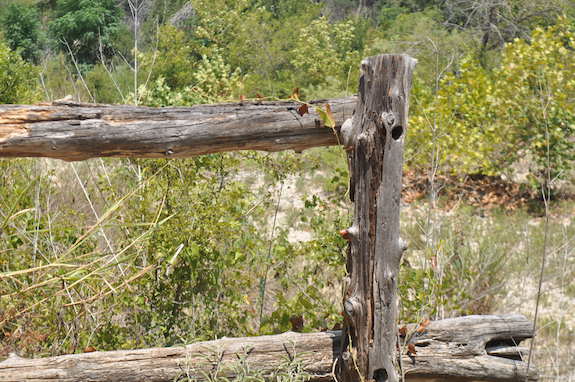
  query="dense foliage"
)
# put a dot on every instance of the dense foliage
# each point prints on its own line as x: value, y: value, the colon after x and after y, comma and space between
x: 488, y: 119
x: 86, y: 29
x: 18, y: 79
x: 133, y: 253
x: 22, y: 33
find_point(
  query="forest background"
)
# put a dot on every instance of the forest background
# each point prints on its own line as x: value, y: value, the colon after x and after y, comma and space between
x: 121, y: 254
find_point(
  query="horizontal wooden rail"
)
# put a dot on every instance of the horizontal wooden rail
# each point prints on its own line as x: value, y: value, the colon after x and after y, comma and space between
x: 73, y: 131
x: 458, y: 349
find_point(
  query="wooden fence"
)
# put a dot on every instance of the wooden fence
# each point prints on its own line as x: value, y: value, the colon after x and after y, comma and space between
x: 372, y: 128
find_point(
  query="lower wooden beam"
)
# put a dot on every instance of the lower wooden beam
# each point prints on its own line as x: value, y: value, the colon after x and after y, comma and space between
x: 458, y: 349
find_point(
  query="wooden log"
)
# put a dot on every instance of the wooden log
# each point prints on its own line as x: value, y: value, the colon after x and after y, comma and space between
x: 455, y: 349
x: 480, y: 348
x: 73, y: 131
x: 374, y: 138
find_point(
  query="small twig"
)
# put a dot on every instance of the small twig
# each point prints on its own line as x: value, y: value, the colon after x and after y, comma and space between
x: 546, y: 193
x: 89, y: 200
x: 78, y: 70
x: 264, y: 280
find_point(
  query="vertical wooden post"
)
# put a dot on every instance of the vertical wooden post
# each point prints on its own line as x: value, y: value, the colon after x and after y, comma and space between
x: 374, y: 140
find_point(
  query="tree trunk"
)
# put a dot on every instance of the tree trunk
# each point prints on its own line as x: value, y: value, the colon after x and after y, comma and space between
x: 72, y: 131
x: 374, y: 139
x: 458, y: 349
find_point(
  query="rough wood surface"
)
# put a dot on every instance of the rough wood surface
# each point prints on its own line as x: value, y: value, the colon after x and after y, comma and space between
x: 449, y: 350
x: 72, y: 131
x: 374, y: 138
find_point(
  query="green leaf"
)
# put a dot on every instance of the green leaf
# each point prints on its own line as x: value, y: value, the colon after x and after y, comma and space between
x: 326, y: 116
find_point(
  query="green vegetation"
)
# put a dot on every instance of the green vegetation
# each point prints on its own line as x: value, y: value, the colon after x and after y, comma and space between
x: 22, y: 30
x: 87, y: 29
x: 119, y: 254
x: 18, y: 79
x: 487, y: 119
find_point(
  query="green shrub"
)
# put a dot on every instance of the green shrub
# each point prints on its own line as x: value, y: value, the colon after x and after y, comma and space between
x: 21, y: 26
x: 18, y: 79
x: 82, y: 27
x: 483, y: 122
x: 454, y: 266
x: 533, y: 94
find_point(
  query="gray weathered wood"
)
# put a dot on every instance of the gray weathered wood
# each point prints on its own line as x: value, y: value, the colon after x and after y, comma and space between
x: 448, y: 350
x: 374, y: 139
x: 72, y: 131
x: 473, y: 343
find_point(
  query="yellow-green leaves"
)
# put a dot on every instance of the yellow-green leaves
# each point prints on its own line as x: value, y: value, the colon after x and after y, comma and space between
x: 325, y: 50
x: 483, y: 121
x: 535, y: 98
x: 457, y: 122
x: 18, y: 79
x: 326, y: 116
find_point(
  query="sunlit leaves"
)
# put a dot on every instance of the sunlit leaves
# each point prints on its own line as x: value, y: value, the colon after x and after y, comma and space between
x: 536, y: 95
x: 326, y: 116
x: 18, y: 82
x: 325, y: 50
x: 484, y: 121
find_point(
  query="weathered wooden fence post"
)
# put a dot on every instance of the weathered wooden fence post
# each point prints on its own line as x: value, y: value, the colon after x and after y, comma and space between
x: 374, y: 139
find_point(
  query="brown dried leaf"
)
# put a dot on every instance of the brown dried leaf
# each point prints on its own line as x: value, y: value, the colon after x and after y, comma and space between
x: 296, y: 323
x: 295, y: 94
x: 344, y: 233
x: 403, y: 331
x: 423, y: 325
x: 303, y: 109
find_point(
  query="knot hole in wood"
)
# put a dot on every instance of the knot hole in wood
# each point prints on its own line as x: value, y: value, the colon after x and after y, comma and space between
x: 380, y: 375
x: 397, y: 132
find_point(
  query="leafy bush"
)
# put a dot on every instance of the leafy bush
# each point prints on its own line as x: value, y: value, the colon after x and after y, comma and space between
x: 213, y: 81
x: 21, y: 26
x: 457, y: 122
x: 181, y: 251
x: 109, y: 82
x: 18, y: 79
x: 534, y: 94
x: 83, y: 26
x: 454, y: 266
x: 323, y: 51
x: 174, y: 59
x: 483, y: 122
